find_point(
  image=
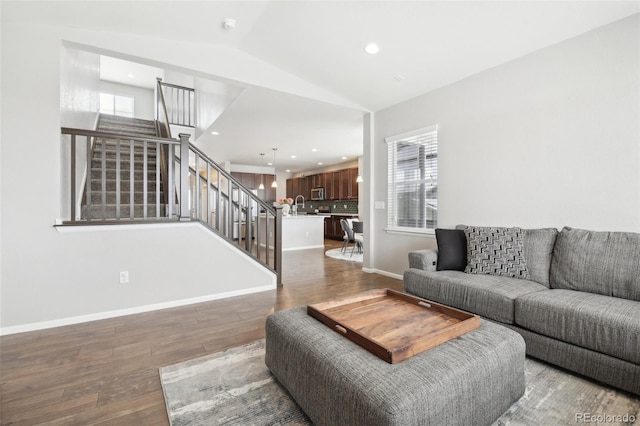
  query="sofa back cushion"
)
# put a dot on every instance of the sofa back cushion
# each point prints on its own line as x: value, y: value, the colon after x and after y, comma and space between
x: 538, y: 249
x: 597, y: 262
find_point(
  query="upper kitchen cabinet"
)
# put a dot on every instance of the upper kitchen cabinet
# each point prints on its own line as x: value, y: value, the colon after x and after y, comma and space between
x: 269, y: 192
x: 303, y: 188
x: 332, y: 185
x: 316, y: 181
x: 299, y: 186
x: 249, y: 180
x: 348, y: 184
x: 338, y: 185
x: 253, y: 181
x: 289, y: 187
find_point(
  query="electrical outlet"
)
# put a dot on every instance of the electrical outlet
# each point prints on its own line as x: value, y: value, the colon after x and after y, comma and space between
x: 124, y: 277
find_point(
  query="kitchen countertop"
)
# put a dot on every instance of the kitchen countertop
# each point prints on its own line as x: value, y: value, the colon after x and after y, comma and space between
x: 302, y: 216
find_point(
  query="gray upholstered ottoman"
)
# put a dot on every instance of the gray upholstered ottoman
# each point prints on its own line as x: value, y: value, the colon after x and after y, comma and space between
x: 470, y: 380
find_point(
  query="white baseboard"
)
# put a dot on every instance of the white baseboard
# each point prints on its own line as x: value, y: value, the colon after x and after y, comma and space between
x: 385, y: 273
x: 128, y: 311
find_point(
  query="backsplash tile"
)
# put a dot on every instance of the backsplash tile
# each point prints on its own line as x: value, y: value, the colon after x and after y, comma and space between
x: 342, y: 206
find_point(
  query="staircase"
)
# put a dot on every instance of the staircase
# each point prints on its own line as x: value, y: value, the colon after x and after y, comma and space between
x: 100, y: 195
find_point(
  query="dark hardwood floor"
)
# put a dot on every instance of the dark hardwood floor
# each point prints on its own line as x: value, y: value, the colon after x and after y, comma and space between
x: 106, y: 372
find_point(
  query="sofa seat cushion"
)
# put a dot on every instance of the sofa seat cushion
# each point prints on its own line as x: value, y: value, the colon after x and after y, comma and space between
x: 490, y: 296
x: 601, y: 323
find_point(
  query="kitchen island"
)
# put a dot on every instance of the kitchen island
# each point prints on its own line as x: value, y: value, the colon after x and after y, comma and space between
x: 298, y: 232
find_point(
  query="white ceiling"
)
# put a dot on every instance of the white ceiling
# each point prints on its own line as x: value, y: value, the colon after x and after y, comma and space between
x: 126, y: 72
x: 261, y: 119
x: 429, y: 43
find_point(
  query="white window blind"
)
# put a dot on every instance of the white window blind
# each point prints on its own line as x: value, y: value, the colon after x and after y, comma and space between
x: 413, y: 180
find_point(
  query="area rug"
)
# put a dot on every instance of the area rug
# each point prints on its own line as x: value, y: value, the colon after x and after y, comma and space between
x: 235, y: 387
x: 346, y: 255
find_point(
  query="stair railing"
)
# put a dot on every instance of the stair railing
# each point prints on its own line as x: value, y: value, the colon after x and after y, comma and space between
x: 163, y: 130
x: 204, y: 192
x: 179, y: 102
x: 232, y: 210
x: 101, y: 205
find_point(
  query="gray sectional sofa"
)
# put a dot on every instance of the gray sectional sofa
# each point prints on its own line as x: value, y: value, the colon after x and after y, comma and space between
x: 575, y: 300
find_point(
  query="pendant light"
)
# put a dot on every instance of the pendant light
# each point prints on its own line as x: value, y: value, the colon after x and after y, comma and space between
x: 275, y: 174
x: 261, y: 171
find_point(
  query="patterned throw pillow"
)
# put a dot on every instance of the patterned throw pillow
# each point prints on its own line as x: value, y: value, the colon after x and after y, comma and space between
x: 496, y: 251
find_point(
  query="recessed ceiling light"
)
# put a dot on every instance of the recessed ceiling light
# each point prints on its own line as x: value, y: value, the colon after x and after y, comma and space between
x: 319, y: 164
x: 293, y: 156
x: 288, y: 170
x: 344, y: 158
x: 130, y: 75
x: 371, y: 48
x: 269, y: 164
x: 215, y: 133
x: 314, y: 150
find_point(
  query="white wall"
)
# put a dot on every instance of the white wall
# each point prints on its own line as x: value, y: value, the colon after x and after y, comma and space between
x: 143, y: 103
x: 547, y: 140
x: 79, y: 88
x: 212, y: 99
x: 51, y: 276
x: 79, y: 105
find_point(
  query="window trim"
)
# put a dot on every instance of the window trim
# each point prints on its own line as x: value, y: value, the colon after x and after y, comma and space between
x: 391, y: 197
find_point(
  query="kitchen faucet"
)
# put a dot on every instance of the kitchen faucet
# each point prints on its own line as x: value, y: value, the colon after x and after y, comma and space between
x: 296, y: 203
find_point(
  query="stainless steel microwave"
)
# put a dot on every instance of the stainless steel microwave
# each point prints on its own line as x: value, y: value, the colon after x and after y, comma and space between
x: 317, y: 193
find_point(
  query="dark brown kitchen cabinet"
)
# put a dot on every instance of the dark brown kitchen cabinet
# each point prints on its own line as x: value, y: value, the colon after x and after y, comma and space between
x: 338, y: 185
x: 299, y: 186
x: 253, y: 181
x: 345, y: 185
x: 332, y: 185
x: 269, y: 192
x: 355, y: 186
x: 303, y: 188
x: 316, y: 181
x: 289, y: 187
x: 332, y: 228
x: 348, y: 184
x: 249, y: 180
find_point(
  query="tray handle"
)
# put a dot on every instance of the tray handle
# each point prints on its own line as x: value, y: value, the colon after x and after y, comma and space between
x: 341, y: 329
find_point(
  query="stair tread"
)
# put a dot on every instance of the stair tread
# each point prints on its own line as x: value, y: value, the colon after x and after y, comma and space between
x: 122, y: 119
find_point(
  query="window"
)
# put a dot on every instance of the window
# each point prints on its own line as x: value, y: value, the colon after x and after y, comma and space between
x: 116, y: 105
x: 413, y: 181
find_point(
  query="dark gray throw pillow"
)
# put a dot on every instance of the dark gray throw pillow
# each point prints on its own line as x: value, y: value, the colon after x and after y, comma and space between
x: 452, y: 249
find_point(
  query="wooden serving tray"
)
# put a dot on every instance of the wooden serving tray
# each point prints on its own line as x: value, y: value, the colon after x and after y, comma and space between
x: 393, y: 325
